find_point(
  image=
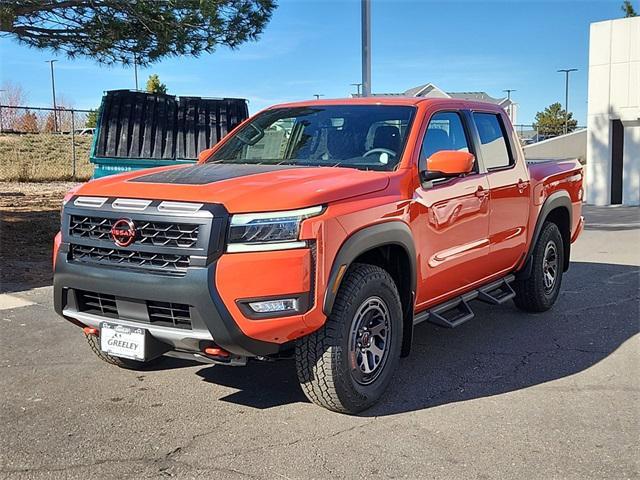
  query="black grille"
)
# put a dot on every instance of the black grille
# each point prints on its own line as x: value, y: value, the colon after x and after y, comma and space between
x: 169, y: 314
x: 115, y: 257
x: 162, y: 234
x: 165, y: 314
x: 97, y: 303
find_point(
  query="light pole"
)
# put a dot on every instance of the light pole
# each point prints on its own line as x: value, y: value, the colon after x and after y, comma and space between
x: 53, y: 90
x: 1, y: 91
x: 366, y: 48
x: 318, y: 95
x: 357, y: 85
x: 135, y: 69
x: 566, y: 72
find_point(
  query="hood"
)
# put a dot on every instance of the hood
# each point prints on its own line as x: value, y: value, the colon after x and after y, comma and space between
x: 242, y: 188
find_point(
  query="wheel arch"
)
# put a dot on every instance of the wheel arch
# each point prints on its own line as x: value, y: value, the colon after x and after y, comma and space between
x: 557, y: 209
x: 389, y: 245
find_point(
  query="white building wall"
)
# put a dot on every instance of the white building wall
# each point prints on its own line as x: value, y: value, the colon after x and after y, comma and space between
x: 512, y: 111
x: 614, y: 93
x: 571, y: 145
x: 631, y: 181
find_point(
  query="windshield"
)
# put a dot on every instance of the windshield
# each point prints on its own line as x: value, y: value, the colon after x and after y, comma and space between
x: 367, y: 137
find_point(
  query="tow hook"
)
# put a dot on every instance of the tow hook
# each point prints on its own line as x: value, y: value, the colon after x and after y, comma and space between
x: 221, y: 356
x: 216, y: 352
x: 91, y: 331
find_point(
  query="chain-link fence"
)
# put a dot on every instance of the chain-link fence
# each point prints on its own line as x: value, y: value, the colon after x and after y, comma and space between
x: 42, y: 144
x: 531, y: 133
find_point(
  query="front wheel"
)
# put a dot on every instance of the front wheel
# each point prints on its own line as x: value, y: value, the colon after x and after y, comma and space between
x: 540, y: 291
x: 347, y: 365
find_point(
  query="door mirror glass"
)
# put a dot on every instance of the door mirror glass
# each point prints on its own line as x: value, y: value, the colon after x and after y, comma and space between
x: 447, y: 164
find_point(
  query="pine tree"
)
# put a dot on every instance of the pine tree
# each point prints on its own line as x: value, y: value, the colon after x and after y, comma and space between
x: 154, y: 85
x: 551, y: 121
x: 116, y: 31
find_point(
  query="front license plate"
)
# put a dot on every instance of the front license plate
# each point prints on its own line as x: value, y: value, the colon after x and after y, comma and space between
x: 121, y: 341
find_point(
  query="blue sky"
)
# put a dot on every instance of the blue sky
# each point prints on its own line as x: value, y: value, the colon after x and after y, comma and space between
x: 314, y: 47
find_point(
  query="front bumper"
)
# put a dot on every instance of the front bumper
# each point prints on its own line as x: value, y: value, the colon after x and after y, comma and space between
x: 211, y: 321
x: 178, y: 258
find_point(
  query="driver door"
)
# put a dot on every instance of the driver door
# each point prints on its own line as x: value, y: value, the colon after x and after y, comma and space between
x: 454, y: 217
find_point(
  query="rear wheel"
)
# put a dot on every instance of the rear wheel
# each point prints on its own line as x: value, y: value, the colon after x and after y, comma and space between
x: 347, y: 365
x: 540, y: 291
x: 94, y: 343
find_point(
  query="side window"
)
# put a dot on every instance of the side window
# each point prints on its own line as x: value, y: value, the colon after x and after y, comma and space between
x: 493, y: 144
x: 445, y: 132
x: 273, y: 142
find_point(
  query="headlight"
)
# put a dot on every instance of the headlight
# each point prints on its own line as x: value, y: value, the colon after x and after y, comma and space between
x: 256, y: 232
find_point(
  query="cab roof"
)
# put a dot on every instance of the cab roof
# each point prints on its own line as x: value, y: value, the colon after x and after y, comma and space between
x: 408, y: 101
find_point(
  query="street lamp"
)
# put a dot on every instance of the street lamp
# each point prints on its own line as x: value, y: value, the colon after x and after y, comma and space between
x: 566, y: 71
x: 508, y: 91
x: 53, y: 90
x: 135, y: 69
x: 357, y: 85
x: 1, y: 91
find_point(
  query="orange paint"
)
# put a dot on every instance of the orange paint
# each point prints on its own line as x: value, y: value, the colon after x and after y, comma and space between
x: 467, y: 230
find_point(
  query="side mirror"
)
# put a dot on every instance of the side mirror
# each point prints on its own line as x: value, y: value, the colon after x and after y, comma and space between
x: 447, y: 164
x: 204, y: 154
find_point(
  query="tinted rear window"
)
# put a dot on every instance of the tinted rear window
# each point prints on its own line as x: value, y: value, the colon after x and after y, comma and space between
x: 493, y: 143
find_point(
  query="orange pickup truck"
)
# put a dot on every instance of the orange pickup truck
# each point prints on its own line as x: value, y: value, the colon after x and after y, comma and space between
x: 324, y: 231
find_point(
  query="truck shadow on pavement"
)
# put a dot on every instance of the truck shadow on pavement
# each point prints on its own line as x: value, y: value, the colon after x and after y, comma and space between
x: 501, y: 350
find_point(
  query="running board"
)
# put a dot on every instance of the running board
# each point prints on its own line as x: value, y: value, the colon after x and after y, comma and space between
x: 457, y: 311
x: 497, y: 293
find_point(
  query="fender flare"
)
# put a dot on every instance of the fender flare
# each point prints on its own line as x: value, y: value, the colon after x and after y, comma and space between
x: 388, y: 233
x: 559, y: 199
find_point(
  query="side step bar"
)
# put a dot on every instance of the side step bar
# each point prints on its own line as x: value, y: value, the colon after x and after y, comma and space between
x: 457, y: 311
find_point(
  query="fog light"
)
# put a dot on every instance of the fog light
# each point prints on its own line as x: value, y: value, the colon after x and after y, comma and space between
x: 270, y: 306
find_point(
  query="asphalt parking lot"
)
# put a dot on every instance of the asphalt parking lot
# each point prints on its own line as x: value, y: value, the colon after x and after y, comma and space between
x: 508, y: 395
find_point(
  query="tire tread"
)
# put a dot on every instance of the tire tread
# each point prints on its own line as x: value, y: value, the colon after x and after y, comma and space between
x: 530, y: 295
x: 317, y: 357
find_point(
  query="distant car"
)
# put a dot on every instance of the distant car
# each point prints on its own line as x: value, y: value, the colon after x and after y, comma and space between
x: 85, y: 131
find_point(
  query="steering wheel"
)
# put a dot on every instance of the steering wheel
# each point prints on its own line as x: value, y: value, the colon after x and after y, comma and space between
x: 380, y: 150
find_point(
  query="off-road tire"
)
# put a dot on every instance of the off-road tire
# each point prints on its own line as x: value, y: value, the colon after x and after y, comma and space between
x: 531, y: 294
x: 94, y: 343
x: 322, y: 358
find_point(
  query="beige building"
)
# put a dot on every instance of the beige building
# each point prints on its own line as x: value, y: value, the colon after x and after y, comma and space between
x: 429, y: 90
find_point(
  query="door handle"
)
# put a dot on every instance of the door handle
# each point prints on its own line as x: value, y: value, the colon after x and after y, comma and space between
x: 522, y: 185
x: 481, y: 192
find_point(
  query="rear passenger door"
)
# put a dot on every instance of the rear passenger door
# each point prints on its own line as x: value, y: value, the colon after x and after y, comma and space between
x: 509, y: 190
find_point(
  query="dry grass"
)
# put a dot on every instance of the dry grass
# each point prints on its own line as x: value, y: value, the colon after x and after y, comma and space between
x: 43, y: 157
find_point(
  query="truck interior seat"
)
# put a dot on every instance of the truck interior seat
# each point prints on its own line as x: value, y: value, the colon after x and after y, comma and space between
x: 388, y: 137
x: 343, y: 144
